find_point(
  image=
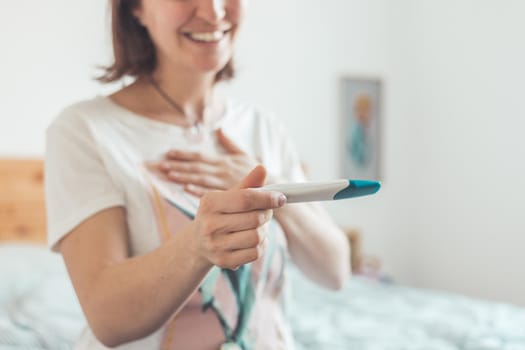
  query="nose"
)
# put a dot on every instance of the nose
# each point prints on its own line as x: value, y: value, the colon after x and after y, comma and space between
x: 212, y: 11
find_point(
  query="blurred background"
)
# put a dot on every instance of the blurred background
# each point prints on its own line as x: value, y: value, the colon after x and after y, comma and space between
x: 450, y: 215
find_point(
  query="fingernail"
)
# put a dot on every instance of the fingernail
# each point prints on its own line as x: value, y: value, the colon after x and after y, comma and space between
x: 174, y: 174
x: 280, y: 199
x: 165, y: 166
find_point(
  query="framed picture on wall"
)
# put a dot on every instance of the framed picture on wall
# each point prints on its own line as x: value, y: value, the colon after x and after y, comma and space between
x: 361, y: 128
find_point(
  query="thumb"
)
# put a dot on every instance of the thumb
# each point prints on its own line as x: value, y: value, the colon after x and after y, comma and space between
x: 227, y: 143
x: 255, y: 178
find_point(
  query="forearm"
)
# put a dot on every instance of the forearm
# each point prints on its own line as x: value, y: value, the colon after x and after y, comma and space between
x: 318, y: 247
x: 131, y: 299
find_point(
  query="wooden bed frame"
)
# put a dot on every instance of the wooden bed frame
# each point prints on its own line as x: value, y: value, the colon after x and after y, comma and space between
x: 22, y: 205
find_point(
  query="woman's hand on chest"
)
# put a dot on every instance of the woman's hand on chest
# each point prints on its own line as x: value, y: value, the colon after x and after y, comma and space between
x: 200, y: 173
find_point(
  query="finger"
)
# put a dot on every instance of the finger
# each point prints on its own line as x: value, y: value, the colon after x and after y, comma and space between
x: 227, y: 143
x: 155, y: 169
x: 237, y: 222
x: 202, y: 180
x: 152, y: 165
x: 240, y: 201
x: 242, y: 240
x: 197, y: 191
x: 191, y: 156
x: 255, y: 178
x: 188, y: 166
x: 239, y: 257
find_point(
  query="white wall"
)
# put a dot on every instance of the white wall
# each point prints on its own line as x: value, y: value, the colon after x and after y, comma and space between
x: 470, y: 105
x: 48, y: 50
x: 292, y: 65
x: 452, y: 113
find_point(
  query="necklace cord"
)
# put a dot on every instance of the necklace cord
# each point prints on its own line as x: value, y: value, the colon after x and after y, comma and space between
x: 171, y: 101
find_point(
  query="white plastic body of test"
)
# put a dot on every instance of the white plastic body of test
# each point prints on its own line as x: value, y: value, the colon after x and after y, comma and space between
x: 309, y: 191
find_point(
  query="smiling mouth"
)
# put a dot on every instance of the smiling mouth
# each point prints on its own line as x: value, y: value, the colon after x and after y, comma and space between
x: 207, y: 37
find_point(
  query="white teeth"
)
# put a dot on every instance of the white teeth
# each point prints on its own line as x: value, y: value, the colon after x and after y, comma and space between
x: 207, y: 37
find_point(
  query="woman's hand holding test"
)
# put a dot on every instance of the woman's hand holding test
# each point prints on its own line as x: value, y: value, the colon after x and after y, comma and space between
x: 230, y: 227
x: 316, y: 244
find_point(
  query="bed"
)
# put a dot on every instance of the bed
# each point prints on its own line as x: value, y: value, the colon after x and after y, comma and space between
x: 39, y: 310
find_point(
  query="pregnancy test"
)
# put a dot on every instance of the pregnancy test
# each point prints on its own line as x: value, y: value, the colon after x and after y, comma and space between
x: 325, y: 190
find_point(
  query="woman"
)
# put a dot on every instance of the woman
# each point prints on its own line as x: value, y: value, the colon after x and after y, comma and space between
x: 149, y: 199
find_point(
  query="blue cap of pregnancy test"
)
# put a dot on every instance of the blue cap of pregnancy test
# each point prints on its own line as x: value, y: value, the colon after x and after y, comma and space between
x: 358, y: 188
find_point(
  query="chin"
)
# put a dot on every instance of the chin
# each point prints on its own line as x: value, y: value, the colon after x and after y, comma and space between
x: 210, y: 66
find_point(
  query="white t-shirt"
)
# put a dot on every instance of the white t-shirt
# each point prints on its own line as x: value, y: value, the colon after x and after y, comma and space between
x: 95, y: 157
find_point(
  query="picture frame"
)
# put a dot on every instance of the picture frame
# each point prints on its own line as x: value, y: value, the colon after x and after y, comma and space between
x: 361, y: 123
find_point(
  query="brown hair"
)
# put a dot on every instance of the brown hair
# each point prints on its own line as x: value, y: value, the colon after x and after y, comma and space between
x: 133, y: 49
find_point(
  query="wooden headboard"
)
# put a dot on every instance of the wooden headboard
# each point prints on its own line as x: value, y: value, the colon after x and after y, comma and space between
x: 22, y: 206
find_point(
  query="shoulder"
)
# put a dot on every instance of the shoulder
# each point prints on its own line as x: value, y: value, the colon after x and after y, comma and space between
x: 77, y: 115
x: 75, y: 126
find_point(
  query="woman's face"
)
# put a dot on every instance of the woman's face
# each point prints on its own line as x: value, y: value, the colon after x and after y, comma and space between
x: 196, y: 34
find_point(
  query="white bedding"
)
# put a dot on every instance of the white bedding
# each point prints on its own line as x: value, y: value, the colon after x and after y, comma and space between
x: 39, y: 310
x: 38, y: 307
x: 369, y: 314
